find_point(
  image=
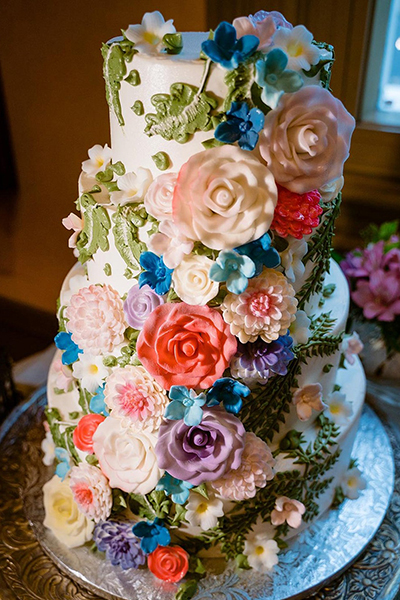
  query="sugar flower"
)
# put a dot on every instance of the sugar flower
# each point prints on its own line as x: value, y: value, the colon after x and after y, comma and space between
x: 331, y: 190
x: 131, y: 394
x: 256, y: 362
x: 64, y: 378
x: 306, y: 139
x: 192, y: 282
x: 296, y: 214
x: 152, y: 534
x: 139, y: 303
x: 76, y: 224
x: 71, y: 286
x: 307, y: 398
x: 288, y: 510
x: 148, y: 36
x: 84, y: 431
x: 224, y: 197
x: 233, y: 268
x: 351, y: 346
x: 352, y: 483
x: 229, y: 392
x: 48, y: 449
x: 265, y: 309
x: 97, y: 404
x: 63, y: 462
x: 278, y: 18
x: 380, y: 296
x: 168, y: 563
x: 99, y: 159
x: 226, y: 49
x: 62, y: 516
x: 261, y: 552
x: 132, y: 187
x: 91, y: 491
x: 121, y: 546
x: 158, y: 198
x: 261, y: 253
x: 71, y: 351
x: 274, y: 79
x: 156, y: 274
x: 242, y: 125
x: 203, y: 512
x: 170, y: 243
x: 338, y: 409
x: 263, y: 29
x: 186, y: 405
x: 185, y: 345
x: 202, y: 453
x: 96, y: 319
x: 297, y: 44
x: 177, y: 489
x: 300, y: 328
x: 126, y: 456
x: 91, y: 372
x: 256, y: 468
x: 292, y: 259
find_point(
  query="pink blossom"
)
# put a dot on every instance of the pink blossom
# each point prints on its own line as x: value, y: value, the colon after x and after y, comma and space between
x: 353, y: 264
x: 91, y: 491
x: 351, y: 346
x: 380, y: 296
x: 263, y: 29
x: 287, y: 510
x: 278, y: 18
x: 307, y: 398
x: 76, y: 224
x: 64, y: 376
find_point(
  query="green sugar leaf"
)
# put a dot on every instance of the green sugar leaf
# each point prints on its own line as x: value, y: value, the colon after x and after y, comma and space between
x: 173, y: 43
x: 161, y: 160
x: 126, y: 240
x: 138, y: 108
x: 133, y: 78
x: 94, y: 234
x: 107, y: 269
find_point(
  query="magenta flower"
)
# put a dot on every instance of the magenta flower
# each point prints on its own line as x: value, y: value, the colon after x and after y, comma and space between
x: 380, y: 296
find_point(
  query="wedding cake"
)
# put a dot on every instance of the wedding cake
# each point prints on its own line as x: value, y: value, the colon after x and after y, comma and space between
x: 204, y: 398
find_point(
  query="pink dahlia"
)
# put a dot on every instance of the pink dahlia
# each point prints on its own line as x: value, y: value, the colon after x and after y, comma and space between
x: 265, y: 309
x: 296, y: 214
x: 255, y: 470
x: 91, y: 491
x: 96, y: 319
x: 380, y: 296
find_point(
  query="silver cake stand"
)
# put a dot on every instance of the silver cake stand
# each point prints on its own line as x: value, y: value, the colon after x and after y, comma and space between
x: 33, y: 565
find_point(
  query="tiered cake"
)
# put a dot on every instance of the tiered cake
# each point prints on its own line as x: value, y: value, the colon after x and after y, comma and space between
x: 204, y: 398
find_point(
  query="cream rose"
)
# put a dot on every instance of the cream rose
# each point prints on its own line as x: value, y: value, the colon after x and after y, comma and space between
x: 191, y: 280
x: 158, y: 199
x: 63, y: 517
x: 127, y: 457
x: 224, y: 197
x: 306, y: 139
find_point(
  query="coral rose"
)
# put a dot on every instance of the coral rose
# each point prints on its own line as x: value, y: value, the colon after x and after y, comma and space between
x: 83, y: 434
x: 224, y: 197
x: 185, y: 345
x: 169, y: 563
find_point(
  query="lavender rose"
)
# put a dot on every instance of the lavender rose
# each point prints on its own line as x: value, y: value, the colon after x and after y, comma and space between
x: 139, y: 303
x: 202, y: 453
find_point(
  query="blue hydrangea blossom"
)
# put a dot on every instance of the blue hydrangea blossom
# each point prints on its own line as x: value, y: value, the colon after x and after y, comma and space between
x: 228, y: 391
x: 233, y: 268
x: 242, y: 125
x: 176, y: 488
x: 226, y: 49
x: 152, y: 534
x: 156, y: 274
x: 261, y: 253
x: 274, y: 79
x: 186, y: 405
x: 63, y: 341
x: 97, y: 403
x: 63, y: 467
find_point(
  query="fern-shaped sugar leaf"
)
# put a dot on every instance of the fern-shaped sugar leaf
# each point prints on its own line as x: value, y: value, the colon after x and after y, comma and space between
x: 94, y: 234
x: 125, y: 236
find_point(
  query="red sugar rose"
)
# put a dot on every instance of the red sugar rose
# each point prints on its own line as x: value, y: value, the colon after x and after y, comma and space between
x: 84, y: 432
x: 296, y: 214
x: 185, y: 345
x: 169, y: 563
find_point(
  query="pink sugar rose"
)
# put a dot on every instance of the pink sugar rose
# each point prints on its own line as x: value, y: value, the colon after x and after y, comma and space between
x: 306, y: 139
x: 288, y: 510
x: 96, y: 319
x: 380, y: 296
x: 263, y: 29
x: 185, y: 345
x: 158, y: 198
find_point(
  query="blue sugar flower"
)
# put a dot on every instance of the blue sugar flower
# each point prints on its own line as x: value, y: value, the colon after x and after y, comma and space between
x: 233, y: 268
x: 228, y: 391
x: 157, y: 275
x: 266, y: 359
x: 97, y: 403
x: 228, y: 51
x: 63, y: 467
x: 152, y: 534
x: 272, y: 76
x: 242, y: 125
x: 64, y: 342
x: 185, y: 405
x: 261, y: 253
x: 177, y: 489
x: 121, y: 546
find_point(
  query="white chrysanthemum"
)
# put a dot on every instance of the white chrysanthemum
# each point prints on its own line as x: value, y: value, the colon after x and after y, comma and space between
x: 265, y: 309
x: 351, y: 346
x: 91, y: 491
x: 254, y: 472
x: 352, y: 483
x: 148, y: 36
x: 297, y: 44
x: 191, y: 280
x: 291, y: 260
x: 48, y: 448
x: 338, y: 409
x: 132, y: 187
x: 261, y: 551
x: 99, y: 159
x: 135, y: 397
x: 307, y: 398
x: 203, y: 512
x: 300, y: 328
x: 170, y: 243
x: 91, y: 371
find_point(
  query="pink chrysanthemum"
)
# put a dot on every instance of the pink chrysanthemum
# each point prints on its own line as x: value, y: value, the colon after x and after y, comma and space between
x: 296, y: 214
x: 265, y: 309
x: 96, y: 319
x: 91, y: 491
x: 254, y: 472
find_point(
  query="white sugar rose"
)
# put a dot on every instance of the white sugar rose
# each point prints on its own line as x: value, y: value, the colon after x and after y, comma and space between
x: 127, y: 457
x: 224, y: 197
x: 191, y: 280
x: 62, y: 515
x: 306, y: 139
x: 158, y: 199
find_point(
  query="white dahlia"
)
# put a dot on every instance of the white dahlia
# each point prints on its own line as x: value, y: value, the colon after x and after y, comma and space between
x: 91, y: 491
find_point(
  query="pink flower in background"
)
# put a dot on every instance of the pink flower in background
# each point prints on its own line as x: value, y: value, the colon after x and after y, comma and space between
x: 76, y: 224
x: 392, y: 260
x: 353, y: 264
x: 380, y: 296
x: 91, y: 491
x: 264, y: 29
x: 288, y: 510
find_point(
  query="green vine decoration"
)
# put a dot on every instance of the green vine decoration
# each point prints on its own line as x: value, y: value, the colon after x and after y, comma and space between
x: 115, y: 57
x: 95, y: 230
x: 238, y: 82
x: 127, y: 219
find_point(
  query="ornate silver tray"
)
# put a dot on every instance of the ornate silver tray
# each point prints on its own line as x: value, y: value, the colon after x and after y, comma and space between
x: 316, y: 557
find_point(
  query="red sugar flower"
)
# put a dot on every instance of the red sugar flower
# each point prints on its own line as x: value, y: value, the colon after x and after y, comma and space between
x: 169, y: 563
x: 84, y: 432
x: 296, y: 214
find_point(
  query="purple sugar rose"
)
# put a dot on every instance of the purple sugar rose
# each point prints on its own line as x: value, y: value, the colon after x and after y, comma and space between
x: 139, y: 303
x: 201, y: 453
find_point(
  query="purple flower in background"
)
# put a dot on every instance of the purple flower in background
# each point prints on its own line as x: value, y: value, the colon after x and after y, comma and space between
x: 353, y: 264
x: 139, y: 303
x: 266, y: 359
x: 379, y: 297
x: 201, y: 453
x: 121, y: 546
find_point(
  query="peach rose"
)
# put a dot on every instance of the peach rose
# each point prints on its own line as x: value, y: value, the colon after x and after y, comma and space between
x: 83, y: 434
x: 169, y: 563
x: 185, y: 345
x: 306, y: 139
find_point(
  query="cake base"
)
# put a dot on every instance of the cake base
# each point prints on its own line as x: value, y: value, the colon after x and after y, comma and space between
x: 314, y: 558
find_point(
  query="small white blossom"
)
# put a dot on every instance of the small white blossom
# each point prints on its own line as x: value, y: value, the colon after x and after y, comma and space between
x: 148, y: 36
x: 91, y: 371
x: 291, y: 259
x: 351, y: 346
x: 352, y: 483
x: 300, y: 328
x: 170, y: 243
x: 307, y: 398
x: 203, y: 512
x: 338, y: 409
x: 99, y: 159
x: 261, y: 551
x: 297, y: 44
x: 48, y: 448
x: 132, y: 187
